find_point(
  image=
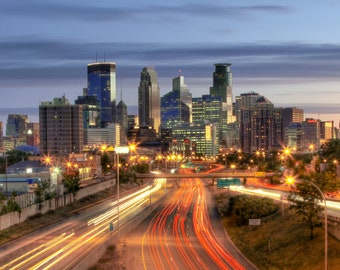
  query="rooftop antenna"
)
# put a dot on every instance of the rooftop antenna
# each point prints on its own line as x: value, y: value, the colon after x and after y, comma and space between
x: 180, y: 72
x: 104, y: 56
x: 96, y: 57
x: 121, y: 89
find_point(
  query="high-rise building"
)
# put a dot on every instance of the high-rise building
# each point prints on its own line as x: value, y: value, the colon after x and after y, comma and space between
x: 16, y: 125
x: 207, y: 109
x: 311, y: 134
x: 122, y: 119
x: 173, y: 110
x: 260, y: 127
x: 176, y: 105
x: 327, y: 131
x: 91, y: 111
x: 61, y: 127
x: 16, y: 128
x: 293, y: 136
x: 245, y: 100
x: 101, y: 83
x: 223, y: 86
x: 194, y: 139
x: 185, y: 95
x: 149, y: 100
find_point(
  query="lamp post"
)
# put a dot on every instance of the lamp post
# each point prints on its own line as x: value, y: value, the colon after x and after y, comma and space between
x: 290, y: 180
x: 119, y: 150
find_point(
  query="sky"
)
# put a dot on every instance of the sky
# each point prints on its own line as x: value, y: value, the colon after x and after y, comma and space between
x: 288, y: 51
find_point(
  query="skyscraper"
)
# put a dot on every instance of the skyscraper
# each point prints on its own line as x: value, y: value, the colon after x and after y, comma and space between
x: 101, y: 82
x: 16, y: 125
x: 149, y: 99
x: 16, y: 128
x: 122, y: 119
x: 223, y: 86
x: 176, y: 105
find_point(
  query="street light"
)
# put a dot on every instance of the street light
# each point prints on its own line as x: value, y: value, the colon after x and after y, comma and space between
x: 291, y: 180
x: 119, y: 150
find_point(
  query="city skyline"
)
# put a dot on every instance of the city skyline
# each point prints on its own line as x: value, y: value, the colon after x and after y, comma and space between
x: 285, y: 51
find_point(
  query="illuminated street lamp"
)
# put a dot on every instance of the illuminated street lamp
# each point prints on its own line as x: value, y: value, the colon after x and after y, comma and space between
x: 119, y: 150
x: 290, y: 180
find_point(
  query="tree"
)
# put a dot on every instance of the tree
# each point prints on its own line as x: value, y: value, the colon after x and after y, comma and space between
x: 105, y: 162
x: 306, y: 205
x: 11, y: 206
x: 245, y: 208
x: 330, y: 150
x: 71, y: 184
x: 43, y: 192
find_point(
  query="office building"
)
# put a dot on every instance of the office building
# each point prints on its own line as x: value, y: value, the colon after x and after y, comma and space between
x: 17, y: 128
x: 223, y: 86
x: 176, y: 105
x: 209, y: 109
x: 16, y: 125
x: 103, y: 136
x: 91, y: 111
x: 185, y: 95
x: 101, y: 83
x: 311, y: 134
x: 61, y: 127
x: 122, y: 119
x: 327, y: 131
x: 149, y: 107
x: 293, y: 136
x: 194, y: 139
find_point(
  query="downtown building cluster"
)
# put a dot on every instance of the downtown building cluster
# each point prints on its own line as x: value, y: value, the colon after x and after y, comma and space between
x: 175, y: 123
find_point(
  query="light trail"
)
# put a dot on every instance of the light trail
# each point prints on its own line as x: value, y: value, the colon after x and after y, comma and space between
x: 53, y: 253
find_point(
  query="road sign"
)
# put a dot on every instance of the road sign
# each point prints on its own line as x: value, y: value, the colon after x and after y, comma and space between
x: 111, y: 226
x: 226, y: 182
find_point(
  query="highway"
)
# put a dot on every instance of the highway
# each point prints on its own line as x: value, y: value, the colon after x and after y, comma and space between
x: 64, y: 245
x: 185, y: 232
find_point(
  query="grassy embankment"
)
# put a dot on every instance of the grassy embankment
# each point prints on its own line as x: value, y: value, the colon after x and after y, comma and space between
x: 281, y: 242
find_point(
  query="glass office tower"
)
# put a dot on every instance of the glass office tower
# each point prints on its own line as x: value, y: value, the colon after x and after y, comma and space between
x: 101, y: 82
x: 223, y: 86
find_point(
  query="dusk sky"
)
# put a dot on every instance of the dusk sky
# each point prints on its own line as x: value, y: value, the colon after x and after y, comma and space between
x: 288, y: 51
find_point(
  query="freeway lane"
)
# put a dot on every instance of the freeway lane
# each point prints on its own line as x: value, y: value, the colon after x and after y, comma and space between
x: 184, y: 233
x: 64, y: 245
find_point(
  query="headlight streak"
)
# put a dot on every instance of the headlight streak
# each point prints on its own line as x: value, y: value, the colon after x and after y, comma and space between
x: 128, y: 205
x: 35, y: 253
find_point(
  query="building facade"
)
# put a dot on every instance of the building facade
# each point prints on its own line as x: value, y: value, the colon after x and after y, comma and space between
x: 149, y: 100
x: 101, y: 83
x: 223, y: 86
x: 61, y: 127
x: 91, y: 110
x: 122, y: 119
x: 261, y: 127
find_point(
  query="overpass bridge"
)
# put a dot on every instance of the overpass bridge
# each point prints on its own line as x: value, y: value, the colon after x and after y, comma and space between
x: 213, y: 175
x: 204, y: 175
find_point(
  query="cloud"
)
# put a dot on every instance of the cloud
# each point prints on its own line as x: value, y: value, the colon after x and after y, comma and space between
x: 34, y: 58
x: 124, y: 10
